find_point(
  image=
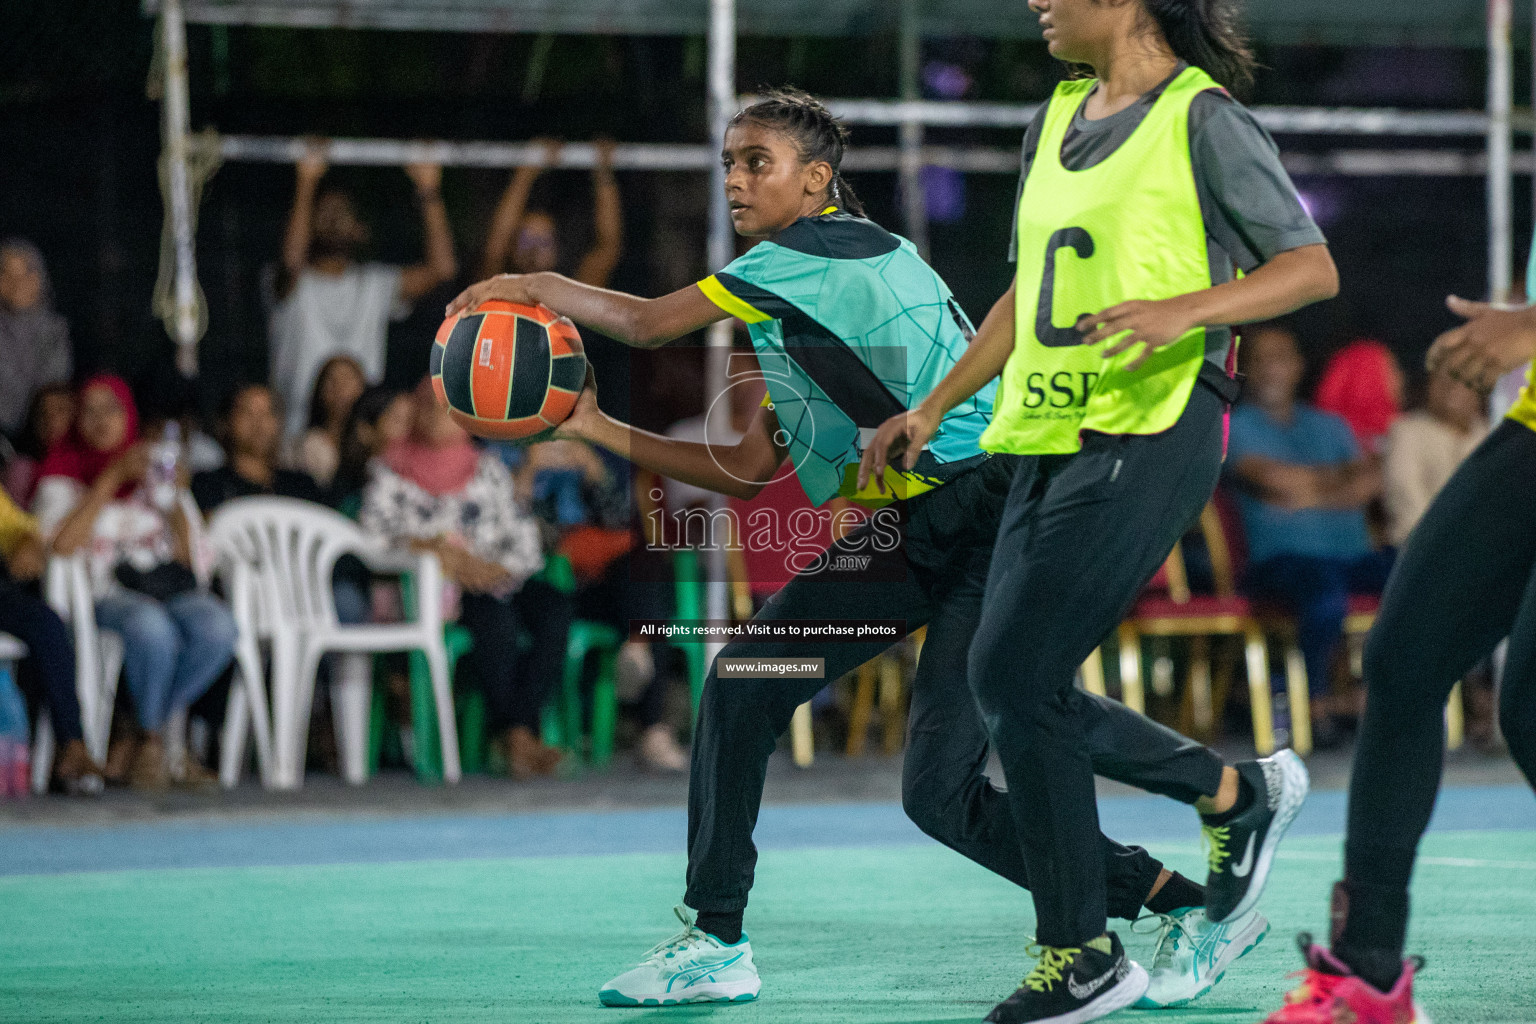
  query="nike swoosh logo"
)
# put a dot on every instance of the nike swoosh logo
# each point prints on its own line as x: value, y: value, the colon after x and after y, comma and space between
x: 698, y: 971
x: 1242, y: 867
x: 1084, y: 991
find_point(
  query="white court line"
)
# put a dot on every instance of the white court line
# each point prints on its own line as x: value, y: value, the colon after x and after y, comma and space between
x: 1317, y: 855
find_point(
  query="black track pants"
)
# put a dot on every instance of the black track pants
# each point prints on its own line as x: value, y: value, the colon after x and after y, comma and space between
x: 1465, y: 580
x: 934, y: 576
x: 1080, y: 536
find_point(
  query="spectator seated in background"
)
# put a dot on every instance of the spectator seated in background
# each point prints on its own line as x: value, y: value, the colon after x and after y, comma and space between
x: 582, y: 499
x: 47, y: 673
x: 330, y: 304
x: 34, y: 340
x: 337, y: 387
x: 437, y: 491
x: 380, y: 417
x: 1363, y: 385
x: 95, y: 496
x: 526, y: 241
x: 1425, y: 447
x: 250, y: 431
x: 48, y: 420
x: 1303, y: 486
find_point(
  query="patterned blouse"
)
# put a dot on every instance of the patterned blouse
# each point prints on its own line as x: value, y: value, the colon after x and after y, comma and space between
x: 484, y: 516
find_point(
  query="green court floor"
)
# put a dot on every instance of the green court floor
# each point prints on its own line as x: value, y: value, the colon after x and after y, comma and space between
x: 894, y: 934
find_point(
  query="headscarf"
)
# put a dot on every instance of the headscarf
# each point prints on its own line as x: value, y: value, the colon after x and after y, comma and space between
x: 75, y: 459
x: 437, y: 469
x: 1357, y: 384
x: 34, y: 342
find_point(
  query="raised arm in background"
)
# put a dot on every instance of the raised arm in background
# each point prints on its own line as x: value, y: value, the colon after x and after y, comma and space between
x: 509, y: 212
x: 607, y: 221
x: 296, y: 238
x: 440, y: 264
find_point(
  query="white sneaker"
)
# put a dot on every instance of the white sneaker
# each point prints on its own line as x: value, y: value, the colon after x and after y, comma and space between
x: 1193, y: 953
x: 690, y: 967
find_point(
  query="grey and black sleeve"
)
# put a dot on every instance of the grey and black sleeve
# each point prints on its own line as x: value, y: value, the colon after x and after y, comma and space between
x: 1251, y: 209
x: 1026, y: 160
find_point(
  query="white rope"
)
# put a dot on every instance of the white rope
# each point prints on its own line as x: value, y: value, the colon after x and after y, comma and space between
x: 202, y: 161
x: 1283, y: 120
x: 866, y: 159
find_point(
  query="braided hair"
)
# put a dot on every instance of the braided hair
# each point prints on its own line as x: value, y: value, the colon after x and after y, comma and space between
x: 816, y: 134
x: 1205, y: 33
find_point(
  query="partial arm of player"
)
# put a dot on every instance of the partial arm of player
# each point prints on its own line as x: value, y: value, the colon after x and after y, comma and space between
x: 1292, y: 279
x: 739, y: 471
x: 907, y: 432
x: 1492, y: 342
x: 637, y: 322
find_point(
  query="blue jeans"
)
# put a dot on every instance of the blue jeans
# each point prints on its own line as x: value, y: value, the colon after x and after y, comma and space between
x: 173, y: 650
x: 1316, y: 591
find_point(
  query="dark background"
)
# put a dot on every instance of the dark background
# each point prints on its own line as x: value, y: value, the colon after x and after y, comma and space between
x: 79, y: 139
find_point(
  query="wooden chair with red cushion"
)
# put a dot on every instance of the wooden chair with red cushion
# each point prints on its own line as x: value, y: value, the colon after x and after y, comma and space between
x: 1168, y: 609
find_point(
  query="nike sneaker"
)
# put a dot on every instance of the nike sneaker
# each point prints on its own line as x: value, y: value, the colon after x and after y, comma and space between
x: 1329, y: 993
x: 1240, y: 852
x: 690, y: 967
x: 1192, y: 954
x: 1074, y: 984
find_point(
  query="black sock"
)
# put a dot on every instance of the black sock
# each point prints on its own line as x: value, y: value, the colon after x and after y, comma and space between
x: 1370, y: 925
x: 1245, y: 797
x: 1176, y: 894
x: 1380, y: 968
x: 724, y: 925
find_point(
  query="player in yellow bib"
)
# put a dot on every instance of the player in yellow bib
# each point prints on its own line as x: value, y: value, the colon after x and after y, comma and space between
x: 1465, y: 580
x: 1115, y: 353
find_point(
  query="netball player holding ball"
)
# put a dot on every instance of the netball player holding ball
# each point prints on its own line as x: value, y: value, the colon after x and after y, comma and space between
x: 851, y: 328
x: 1144, y: 187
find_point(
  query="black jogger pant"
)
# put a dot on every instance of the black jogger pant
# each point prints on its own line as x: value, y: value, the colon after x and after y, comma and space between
x: 934, y: 576
x: 1465, y: 580
x: 1080, y: 536
x: 47, y: 673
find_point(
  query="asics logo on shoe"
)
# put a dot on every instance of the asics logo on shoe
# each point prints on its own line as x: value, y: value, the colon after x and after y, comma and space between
x: 1242, y: 867
x: 1084, y: 991
x: 1209, y: 949
x: 698, y: 971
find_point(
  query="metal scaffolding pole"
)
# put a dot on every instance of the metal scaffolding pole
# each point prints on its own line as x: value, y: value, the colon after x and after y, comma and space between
x: 722, y: 106
x: 1500, y: 88
x: 914, y: 199
x: 175, y: 113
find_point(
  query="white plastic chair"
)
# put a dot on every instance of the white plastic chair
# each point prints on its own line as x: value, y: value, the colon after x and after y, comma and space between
x: 290, y: 548
x: 247, y: 709
x: 98, y: 655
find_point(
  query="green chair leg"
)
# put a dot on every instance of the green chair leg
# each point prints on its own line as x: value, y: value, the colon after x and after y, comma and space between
x: 585, y: 638
x: 605, y: 708
x: 550, y: 722
x: 378, y: 722
x: 472, y: 735
x: 429, y: 749
x: 570, y: 693
x: 424, y: 727
x: 689, y: 589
